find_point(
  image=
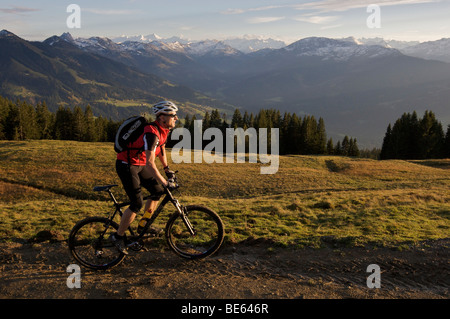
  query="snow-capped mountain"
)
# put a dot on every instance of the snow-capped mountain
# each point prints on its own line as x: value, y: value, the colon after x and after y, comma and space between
x: 249, y: 44
x: 214, y: 47
x: 138, y: 38
x: 101, y: 44
x: 432, y: 50
x: 395, y: 44
x: 66, y: 37
x: 244, y: 44
x: 97, y: 43
x: 338, y: 50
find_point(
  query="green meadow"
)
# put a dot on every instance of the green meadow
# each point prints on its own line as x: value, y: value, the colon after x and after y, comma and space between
x: 311, y: 201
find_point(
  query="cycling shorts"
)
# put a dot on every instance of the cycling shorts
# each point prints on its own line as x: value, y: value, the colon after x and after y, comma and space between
x: 135, y: 177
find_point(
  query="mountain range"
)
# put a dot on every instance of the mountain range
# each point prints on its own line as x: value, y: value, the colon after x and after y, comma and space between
x: 60, y: 72
x: 358, y: 86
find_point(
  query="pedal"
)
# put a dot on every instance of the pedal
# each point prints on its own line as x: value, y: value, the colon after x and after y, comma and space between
x: 136, y: 246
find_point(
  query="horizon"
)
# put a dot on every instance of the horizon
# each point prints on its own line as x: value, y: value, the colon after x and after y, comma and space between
x: 398, y: 20
x: 243, y: 37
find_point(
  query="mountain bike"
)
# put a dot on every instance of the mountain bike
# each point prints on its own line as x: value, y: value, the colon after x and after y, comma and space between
x: 192, y: 232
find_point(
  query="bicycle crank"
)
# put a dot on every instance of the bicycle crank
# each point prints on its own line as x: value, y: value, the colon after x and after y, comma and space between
x: 136, y: 246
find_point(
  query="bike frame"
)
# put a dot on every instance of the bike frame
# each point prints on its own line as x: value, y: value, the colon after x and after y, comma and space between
x: 168, y: 198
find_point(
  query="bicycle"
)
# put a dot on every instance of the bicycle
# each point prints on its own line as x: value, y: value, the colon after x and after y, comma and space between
x: 192, y: 232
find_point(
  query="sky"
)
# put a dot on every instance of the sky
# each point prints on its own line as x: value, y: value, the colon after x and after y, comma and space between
x: 404, y: 20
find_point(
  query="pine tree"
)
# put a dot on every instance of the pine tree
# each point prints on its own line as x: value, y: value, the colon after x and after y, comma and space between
x: 101, y: 129
x: 345, y: 146
x: 63, y: 124
x: 432, y: 136
x: 45, y: 121
x: 4, y: 110
x: 187, y: 121
x: 293, y: 139
x: 387, y: 149
x: 353, y: 148
x: 11, y: 123
x: 89, y: 132
x: 338, y: 149
x: 320, y: 138
x: 78, y: 124
x: 308, y: 135
x: 27, y: 127
x: 236, y: 120
x: 216, y: 120
x: 330, y: 147
x: 206, y: 122
x: 284, y: 134
x: 111, y: 130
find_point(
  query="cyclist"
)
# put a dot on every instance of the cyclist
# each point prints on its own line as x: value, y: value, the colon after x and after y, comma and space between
x: 138, y: 169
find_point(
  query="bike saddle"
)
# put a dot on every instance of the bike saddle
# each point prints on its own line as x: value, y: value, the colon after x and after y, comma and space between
x: 103, y: 188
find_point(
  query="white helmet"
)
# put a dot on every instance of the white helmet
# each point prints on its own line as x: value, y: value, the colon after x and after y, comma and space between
x: 164, y: 107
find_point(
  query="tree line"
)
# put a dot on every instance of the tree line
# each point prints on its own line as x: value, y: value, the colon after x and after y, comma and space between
x: 297, y: 135
x: 20, y: 120
x: 410, y: 137
x: 413, y: 138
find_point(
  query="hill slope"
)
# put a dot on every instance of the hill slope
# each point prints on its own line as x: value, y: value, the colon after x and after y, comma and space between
x: 352, y: 201
x: 57, y: 71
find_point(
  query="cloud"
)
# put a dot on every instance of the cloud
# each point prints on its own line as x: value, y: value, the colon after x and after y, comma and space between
x: 329, y: 5
x: 240, y: 11
x: 233, y: 11
x: 17, y: 10
x: 317, y: 19
x: 110, y: 12
x: 256, y: 20
x: 344, y: 5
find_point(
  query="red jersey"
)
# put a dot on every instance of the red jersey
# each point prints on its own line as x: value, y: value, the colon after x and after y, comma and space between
x: 136, y: 154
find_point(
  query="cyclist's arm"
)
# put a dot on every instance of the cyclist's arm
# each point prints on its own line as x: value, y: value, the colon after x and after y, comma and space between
x: 151, y: 165
x: 162, y: 156
x: 150, y: 144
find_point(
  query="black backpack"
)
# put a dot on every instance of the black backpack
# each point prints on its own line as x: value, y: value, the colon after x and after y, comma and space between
x: 129, y: 131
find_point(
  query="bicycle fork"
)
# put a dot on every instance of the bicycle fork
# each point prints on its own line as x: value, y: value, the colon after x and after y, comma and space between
x: 184, y: 217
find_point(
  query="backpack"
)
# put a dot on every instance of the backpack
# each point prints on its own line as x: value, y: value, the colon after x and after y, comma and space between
x: 129, y: 131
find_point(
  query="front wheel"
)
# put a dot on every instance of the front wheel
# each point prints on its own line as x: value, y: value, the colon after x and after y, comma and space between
x: 196, y: 234
x: 89, y: 243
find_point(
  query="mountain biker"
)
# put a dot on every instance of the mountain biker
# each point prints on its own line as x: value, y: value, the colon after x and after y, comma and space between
x: 137, y: 168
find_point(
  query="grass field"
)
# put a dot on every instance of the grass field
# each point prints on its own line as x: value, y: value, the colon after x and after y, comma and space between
x: 311, y: 201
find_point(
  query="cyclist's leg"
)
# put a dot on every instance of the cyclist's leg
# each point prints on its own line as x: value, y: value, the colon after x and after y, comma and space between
x: 155, y: 190
x: 151, y: 205
x: 129, y: 175
x: 127, y: 218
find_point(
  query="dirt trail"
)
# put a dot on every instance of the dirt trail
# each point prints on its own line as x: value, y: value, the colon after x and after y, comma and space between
x: 248, y: 270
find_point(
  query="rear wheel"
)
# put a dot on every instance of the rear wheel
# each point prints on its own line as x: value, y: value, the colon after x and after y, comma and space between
x: 207, y: 236
x: 89, y: 243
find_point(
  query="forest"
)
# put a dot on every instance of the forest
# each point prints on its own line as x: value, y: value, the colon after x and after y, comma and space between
x: 21, y: 120
x: 413, y: 138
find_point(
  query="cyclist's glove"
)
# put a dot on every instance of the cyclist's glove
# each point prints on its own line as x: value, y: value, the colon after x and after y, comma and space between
x: 171, y: 184
x: 169, y: 173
